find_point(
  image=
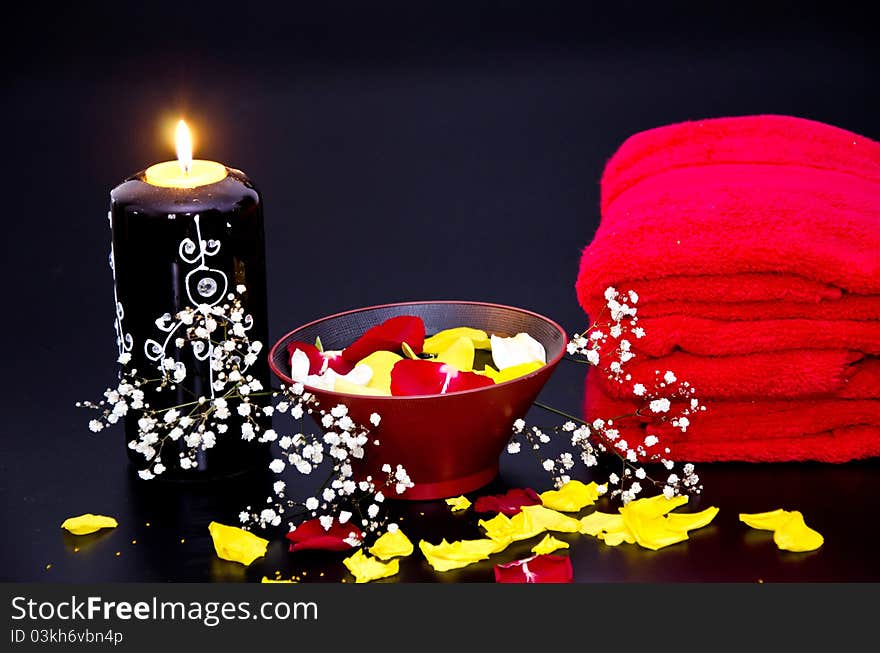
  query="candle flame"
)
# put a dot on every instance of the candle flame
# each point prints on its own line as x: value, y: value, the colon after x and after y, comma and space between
x: 183, y: 142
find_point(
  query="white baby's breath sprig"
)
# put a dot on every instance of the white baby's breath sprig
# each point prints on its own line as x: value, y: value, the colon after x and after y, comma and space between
x: 664, y: 399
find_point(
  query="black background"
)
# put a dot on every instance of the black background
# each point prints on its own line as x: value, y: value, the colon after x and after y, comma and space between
x: 405, y: 150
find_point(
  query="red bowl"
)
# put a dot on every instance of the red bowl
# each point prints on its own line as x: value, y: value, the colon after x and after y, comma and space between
x: 449, y: 444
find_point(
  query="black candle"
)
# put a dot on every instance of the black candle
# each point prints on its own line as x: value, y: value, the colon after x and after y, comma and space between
x: 188, y: 238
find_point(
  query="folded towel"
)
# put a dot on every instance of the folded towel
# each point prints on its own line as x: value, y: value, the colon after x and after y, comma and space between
x: 830, y: 430
x: 793, y: 374
x: 704, y: 337
x: 848, y: 307
x: 733, y: 204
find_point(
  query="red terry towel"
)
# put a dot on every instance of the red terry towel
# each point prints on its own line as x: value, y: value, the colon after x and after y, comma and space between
x: 755, y: 208
x: 705, y: 337
x: 829, y: 430
x: 792, y: 374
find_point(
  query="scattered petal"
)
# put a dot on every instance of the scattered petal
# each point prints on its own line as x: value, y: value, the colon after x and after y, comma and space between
x: 790, y: 531
x: 538, y: 517
x: 609, y: 528
x: 460, y: 354
x: 537, y: 569
x: 548, y: 545
x: 442, y: 340
x: 276, y: 580
x: 452, y: 555
x: 509, y: 503
x: 765, y: 521
x: 235, y: 544
x: 521, y: 348
x: 388, y: 336
x: 458, y: 503
x: 392, y: 544
x: 571, y: 497
x: 311, y: 534
x: 365, y: 569
x: 88, y: 523
x: 689, y: 521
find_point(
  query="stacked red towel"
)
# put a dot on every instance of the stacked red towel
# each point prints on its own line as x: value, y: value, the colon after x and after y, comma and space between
x: 754, y: 246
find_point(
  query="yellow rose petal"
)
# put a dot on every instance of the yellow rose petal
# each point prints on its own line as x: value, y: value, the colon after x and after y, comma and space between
x: 266, y: 579
x: 460, y: 355
x: 795, y: 535
x: 765, y: 521
x: 235, y: 544
x: 458, y: 503
x: 442, y: 340
x: 571, y: 497
x: 548, y: 545
x: 364, y: 568
x: 513, y: 372
x: 381, y: 363
x: 392, y: 544
x: 453, y: 555
x: 499, y: 528
x: 650, y: 530
x: 341, y: 385
x: 549, y: 520
x: 88, y: 523
x: 598, y: 522
x: 656, y: 506
x: 689, y: 521
x: 608, y: 527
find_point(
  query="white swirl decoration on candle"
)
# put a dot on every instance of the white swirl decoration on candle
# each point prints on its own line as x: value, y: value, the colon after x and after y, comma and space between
x: 124, y: 341
x: 205, y: 288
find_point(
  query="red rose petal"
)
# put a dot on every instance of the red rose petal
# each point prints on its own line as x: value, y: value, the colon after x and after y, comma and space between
x: 337, y: 363
x: 538, y: 569
x: 423, y: 377
x: 316, y: 361
x: 388, y: 336
x: 311, y: 535
x: 509, y: 503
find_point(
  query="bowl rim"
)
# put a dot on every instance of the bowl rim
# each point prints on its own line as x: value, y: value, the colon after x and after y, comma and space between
x: 333, y: 393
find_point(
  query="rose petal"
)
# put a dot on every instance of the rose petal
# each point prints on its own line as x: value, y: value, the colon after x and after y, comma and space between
x: 266, y: 579
x: 537, y: 569
x: 512, y: 372
x: 521, y: 348
x: 790, y: 531
x: 443, y: 339
x: 388, y: 336
x: 392, y: 544
x: 88, y: 523
x: 311, y: 534
x: 766, y: 521
x: 458, y: 503
x: 341, y: 385
x: 316, y: 360
x: 423, y: 377
x: 650, y: 531
x: 460, y: 354
x: 336, y: 362
x: 548, y: 545
x: 610, y: 528
x: 452, y: 555
x: 546, y: 519
x: 381, y: 362
x: 300, y: 366
x: 795, y: 535
x: 689, y: 521
x: 571, y: 497
x: 365, y: 569
x: 509, y: 503
x: 235, y: 544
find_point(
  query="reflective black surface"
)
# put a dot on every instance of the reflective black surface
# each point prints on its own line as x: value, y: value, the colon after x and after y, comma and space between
x: 405, y: 152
